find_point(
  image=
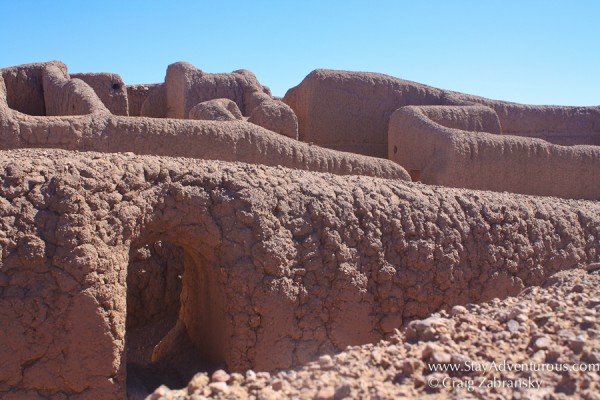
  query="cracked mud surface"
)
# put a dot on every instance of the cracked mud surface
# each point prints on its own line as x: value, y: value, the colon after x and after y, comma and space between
x: 553, y: 330
x: 280, y: 266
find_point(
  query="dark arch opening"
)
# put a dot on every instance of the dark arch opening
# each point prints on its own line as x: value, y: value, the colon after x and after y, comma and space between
x: 173, y: 311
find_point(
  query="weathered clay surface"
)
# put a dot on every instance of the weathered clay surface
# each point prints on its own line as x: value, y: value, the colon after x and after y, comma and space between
x: 231, y: 141
x: 186, y: 86
x: 275, y: 116
x: 543, y: 344
x: 110, y: 88
x: 542, y: 150
x: 25, y: 88
x: 121, y: 271
x: 136, y: 96
x: 445, y: 153
x: 216, y: 110
x: 350, y: 111
x: 279, y: 265
x: 65, y: 96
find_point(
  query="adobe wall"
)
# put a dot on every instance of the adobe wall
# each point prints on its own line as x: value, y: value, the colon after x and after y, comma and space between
x: 155, y: 105
x: 229, y: 141
x: 25, y: 88
x: 65, y: 96
x: 186, y: 86
x: 350, y: 111
x: 136, y: 95
x: 110, y: 88
x: 435, y: 152
x: 279, y: 265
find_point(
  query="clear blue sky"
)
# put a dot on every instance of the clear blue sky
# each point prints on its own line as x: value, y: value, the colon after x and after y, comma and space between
x: 538, y: 52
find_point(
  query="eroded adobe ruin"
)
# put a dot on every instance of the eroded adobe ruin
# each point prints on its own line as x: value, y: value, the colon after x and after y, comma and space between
x: 125, y: 264
x: 445, y: 138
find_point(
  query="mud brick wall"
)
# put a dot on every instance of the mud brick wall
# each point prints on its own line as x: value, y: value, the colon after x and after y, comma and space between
x: 278, y: 265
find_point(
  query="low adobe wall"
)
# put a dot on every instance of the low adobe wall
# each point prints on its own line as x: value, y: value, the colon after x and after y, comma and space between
x: 110, y: 88
x: 136, y: 96
x: 24, y: 89
x: 436, y: 150
x: 65, y: 96
x: 350, y: 111
x: 279, y: 265
x: 186, y: 86
x: 229, y: 141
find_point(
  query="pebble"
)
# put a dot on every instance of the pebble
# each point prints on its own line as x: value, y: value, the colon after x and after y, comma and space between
x: 576, y: 343
x: 220, y: 376
x: 457, y: 310
x: 326, y: 393
x: 542, y: 343
x: 343, y: 391
x: 218, y: 387
x: 513, y: 326
x: 440, y: 357
x: 250, y: 376
x: 198, y: 382
x: 277, y: 384
x: 326, y: 362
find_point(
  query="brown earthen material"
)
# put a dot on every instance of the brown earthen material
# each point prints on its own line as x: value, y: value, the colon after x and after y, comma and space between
x: 278, y: 265
x: 229, y: 141
x: 428, y: 142
x: 216, y: 110
x: 25, y: 88
x: 65, y: 96
x: 110, y: 88
x: 136, y: 95
x: 186, y: 86
x: 350, y: 111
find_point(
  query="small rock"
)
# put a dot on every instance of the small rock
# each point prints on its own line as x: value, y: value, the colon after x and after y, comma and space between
x: 269, y: 394
x: 578, y: 288
x: 513, y: 326
x: 326, y: 393
x: 218, y: 387
x: 263, y: 375
x: 219, y: 376
x: 408, y: 366
x: 236, y: 377
x: 522, y: 318
x: 542, y: 343
x: 277, y: 384
x: 440, y: 357
x: 429, y: 349
x: 459, y: 359
x: 159, y: 392
x: 591, y: 356
x: 592, y: 267
x: 250, y: 376
x: 576, y: 343
x: 593, y: 302
x: 326, y: 362
x: 539, y: 357
x: 457, y: 310
x: 342, y: 391
x: 198, y: 382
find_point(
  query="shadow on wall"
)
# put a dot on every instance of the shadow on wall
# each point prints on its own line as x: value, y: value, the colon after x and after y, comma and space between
x: 170, y: 295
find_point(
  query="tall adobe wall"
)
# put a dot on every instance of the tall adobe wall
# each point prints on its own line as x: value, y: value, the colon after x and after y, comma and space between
x: 278, y: 266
